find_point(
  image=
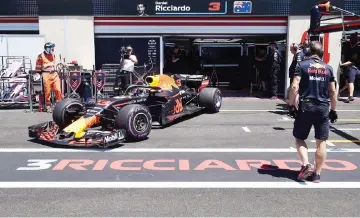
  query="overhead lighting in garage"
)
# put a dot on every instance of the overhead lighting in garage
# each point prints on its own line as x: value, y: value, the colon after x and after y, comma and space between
x: 199, y: 40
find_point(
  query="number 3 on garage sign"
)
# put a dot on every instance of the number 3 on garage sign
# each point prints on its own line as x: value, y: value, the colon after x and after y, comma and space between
x: 178, y: 106
x: 214, y: 6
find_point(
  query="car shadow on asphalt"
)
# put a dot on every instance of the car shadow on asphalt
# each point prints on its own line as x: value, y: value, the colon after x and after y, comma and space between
x: 178, y: 120
x: 281, y: 106
x: 51, y: 145
x: 275, y: 171
x: 345, y: 135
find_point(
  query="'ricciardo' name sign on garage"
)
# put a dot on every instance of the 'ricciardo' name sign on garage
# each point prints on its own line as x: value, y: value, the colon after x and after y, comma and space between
x: 164, y: 6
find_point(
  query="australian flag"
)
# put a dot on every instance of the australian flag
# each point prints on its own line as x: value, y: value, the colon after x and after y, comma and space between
x: 242, y: 7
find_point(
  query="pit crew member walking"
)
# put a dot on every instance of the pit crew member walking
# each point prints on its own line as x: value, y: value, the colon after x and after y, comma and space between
x: 315, y: 81
x: 46, y: 64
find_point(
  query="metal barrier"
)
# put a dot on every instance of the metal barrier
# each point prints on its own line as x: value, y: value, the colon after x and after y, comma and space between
x: 112, y: 70
x: 16, y: 82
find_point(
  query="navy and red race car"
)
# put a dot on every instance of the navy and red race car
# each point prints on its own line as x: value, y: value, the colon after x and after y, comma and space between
x: 109, y: 121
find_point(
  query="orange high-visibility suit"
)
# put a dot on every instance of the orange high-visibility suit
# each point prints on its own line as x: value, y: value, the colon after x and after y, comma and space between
x: 46, y: 63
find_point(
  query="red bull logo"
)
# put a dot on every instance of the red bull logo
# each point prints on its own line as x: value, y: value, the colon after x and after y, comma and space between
x: 317, y: 65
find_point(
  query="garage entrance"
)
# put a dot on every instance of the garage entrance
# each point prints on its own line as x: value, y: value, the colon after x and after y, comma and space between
x: 221, y: 46
x: 229, y: 59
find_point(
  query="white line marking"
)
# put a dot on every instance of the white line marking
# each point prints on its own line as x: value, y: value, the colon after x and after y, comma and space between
x: 167, y: 150
x: 246, y: 129
x: 285, y: 118
x: 331, y: 144
x: 339, y: 120
x: 276, y: 110
x: 343, y: 185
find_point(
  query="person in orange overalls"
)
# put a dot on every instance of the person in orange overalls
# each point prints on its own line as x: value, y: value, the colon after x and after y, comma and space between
x: 46, y: 64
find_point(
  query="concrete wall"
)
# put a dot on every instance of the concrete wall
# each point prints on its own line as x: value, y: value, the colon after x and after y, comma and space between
x: 73, y: 37
x: 297, y: 27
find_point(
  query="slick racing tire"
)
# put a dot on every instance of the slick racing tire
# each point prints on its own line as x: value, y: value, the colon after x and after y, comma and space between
x: 210, y: 99
x: 60, y: 115
x: 136, y: 120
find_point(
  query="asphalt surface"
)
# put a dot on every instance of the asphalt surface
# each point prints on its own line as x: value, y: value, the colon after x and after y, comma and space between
x: 242, y: 124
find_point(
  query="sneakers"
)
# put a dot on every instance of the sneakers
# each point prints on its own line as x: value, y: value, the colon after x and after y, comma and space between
x: 315, y: 178
x: 305, y: 172
x: 349, y: 99
x: 274, y: 98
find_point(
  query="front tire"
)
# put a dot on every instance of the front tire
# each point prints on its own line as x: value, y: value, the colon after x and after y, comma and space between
x: 210, y: 99
x: 60, y: 114
x: 136, y: 120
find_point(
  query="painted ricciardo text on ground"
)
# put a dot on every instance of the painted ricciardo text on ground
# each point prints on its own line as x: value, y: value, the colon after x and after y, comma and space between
x: 175, y: 165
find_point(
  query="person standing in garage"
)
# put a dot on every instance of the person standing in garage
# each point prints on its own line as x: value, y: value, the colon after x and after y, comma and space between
x: 314, y: 80
x: 261, y: 65
x: 46, y: 64
x: 274, y: 65
x: 127, y: 66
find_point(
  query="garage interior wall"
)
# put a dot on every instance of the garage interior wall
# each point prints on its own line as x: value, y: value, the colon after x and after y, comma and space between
x: 297, y: 27
x: 73, y: 37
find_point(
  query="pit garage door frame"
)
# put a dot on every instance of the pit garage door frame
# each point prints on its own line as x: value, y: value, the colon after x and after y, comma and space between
x: 191, y: 25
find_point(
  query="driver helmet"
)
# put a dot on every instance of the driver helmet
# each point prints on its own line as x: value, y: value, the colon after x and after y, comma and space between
x: 49, y: 48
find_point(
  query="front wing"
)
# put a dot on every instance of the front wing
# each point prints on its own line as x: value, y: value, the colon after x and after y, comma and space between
x: 49, y: 132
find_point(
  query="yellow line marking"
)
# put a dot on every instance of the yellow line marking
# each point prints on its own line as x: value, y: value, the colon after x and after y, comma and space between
x: 349, y: 120
x: 344, y: 141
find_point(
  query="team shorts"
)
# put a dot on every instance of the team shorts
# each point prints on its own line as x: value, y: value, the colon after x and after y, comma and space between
x: 352, y: 74
x: 312, y: 114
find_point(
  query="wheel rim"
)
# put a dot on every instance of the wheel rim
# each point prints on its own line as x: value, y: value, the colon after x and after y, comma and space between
x: 217, y: 100
x: 140, y: 122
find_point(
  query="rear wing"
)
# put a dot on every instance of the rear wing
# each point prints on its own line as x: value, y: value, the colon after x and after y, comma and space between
x: 316, y: 21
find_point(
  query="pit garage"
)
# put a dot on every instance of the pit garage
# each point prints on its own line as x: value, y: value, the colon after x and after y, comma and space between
x: 222, y: 47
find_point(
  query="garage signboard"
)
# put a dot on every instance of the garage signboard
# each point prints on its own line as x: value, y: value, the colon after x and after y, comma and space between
x: 166, y: 7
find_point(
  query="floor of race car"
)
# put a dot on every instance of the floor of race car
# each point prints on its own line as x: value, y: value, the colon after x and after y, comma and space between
x: 203, y: 152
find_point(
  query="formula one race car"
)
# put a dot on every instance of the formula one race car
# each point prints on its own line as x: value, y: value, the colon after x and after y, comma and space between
x: 109, y: 121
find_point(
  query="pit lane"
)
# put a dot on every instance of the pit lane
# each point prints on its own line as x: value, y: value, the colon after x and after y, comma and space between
x: 268, y: 130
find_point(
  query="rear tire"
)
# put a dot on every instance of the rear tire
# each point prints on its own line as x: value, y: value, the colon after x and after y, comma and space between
x: 210, y: 99
x: 136, y: 120
x: 61, y: 117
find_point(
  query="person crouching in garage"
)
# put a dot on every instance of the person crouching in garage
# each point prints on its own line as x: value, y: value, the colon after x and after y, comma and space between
x: 46, y: 64
x: 274, y: 64
x: 352, y: 73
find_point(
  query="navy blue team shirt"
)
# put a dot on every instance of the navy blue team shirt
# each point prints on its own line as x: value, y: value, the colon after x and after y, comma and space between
x: 316, y: 76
